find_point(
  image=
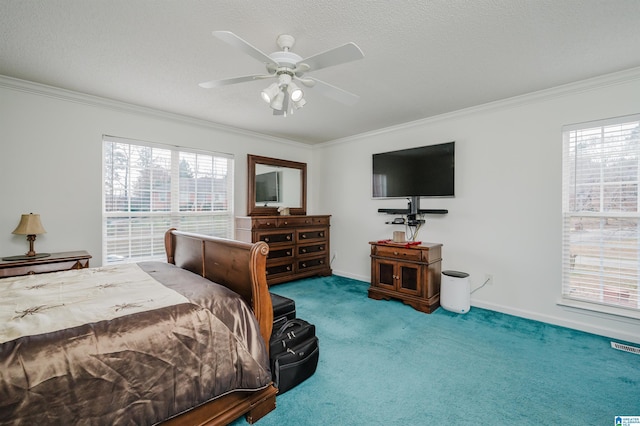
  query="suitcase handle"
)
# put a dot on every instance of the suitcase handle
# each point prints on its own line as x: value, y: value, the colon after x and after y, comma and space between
x: 291, y: 323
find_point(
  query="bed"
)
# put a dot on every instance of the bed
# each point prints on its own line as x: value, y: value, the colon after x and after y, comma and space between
x: 147, y: 343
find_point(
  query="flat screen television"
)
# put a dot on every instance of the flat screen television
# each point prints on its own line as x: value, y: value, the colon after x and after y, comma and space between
x: 268, y: 187
x: 426, y: 171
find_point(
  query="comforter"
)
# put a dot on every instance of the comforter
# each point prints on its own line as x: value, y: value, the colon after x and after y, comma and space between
x: 113, y: 355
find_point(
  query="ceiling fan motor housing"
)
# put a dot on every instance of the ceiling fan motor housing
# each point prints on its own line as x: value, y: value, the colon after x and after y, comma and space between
x: 285, y: 41
x: 285, y: 59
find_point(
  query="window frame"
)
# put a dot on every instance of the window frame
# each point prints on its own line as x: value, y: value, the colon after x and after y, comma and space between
x: 215, y: 217
x: 612, y: 298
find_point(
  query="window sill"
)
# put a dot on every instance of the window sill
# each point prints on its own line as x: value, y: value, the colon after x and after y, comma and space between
x: 604, y: 311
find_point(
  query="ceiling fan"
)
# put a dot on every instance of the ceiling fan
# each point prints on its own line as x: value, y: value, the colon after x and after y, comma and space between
x: 285, y: 95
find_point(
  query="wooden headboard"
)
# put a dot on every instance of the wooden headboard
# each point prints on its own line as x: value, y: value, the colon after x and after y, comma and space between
x: 236, y: 265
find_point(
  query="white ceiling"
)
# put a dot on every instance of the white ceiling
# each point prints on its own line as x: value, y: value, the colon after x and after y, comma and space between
x: 422, y: 57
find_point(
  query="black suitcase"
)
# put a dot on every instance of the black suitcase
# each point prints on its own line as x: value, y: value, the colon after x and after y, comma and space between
x: 284, y: 309
x: 295, y: 365
x: 293, y: 333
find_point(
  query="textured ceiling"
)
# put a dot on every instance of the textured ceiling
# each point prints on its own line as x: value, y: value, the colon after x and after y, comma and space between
x: 422, y: 58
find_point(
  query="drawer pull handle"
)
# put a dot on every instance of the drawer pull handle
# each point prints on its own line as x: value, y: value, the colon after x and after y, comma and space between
x: 304, y: 265
x: 304, y: 250
x: 266, y: 239
x: 395, y: 253
x: 288, y: 253
x: 321, y: 248
x: 303, y: 235
x: 288, y: 268
x: 268, y: 223
x: 322, y: 234
x: 288, y: 237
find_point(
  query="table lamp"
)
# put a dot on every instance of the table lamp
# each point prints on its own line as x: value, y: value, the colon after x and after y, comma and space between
x: 30, y: 226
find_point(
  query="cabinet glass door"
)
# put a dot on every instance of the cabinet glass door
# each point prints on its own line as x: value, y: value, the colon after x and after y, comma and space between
x: 386, y: 274
x: 409, y: 278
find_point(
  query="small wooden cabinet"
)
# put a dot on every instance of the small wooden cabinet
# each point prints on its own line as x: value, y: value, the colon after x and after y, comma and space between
x: 410, y: 273
x: 298, y: 245
x: 56, y: 262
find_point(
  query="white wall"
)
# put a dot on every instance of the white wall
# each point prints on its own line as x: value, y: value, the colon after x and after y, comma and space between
x: 51, y: 160
x: 506, y: 217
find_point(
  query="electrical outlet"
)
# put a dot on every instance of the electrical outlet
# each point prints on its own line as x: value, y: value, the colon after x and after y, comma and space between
x: 488, y: 279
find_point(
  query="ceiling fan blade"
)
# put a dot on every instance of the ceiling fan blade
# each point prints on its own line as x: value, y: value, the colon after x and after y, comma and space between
x: 334, y: 92
x: 245, y: 46
x: 336, y: 56
x: 217, y: 83
x: 309, y: 82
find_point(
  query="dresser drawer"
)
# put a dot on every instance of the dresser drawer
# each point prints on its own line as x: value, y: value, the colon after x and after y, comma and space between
x: 311, y: 234
x: 318, y: 262
x: 280, y: 253
x: 398, y: 253
x: 264, y: 223
x: 44, y: 268
x: 276, y: 237
x: 311, y: 249
x: 279, y: 269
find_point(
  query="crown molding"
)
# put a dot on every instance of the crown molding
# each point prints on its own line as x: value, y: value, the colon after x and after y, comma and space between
x: 40, y: 89
x: 594, y: 83
x: 586, y: 85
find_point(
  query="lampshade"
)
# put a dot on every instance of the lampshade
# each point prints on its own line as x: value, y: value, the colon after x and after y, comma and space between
x: 29, y: 225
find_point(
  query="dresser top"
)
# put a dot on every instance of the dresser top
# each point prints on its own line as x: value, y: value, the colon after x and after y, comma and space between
x: 410, y: 245
x: 283, y: 216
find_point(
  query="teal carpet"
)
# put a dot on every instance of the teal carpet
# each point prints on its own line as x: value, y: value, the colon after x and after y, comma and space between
x: 383, y: 363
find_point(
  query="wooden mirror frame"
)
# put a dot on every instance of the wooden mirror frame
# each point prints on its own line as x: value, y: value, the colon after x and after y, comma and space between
x: 252, y: 209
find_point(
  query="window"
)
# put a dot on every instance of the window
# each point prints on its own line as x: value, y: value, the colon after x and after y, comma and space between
x: 601, y: 236
x: 151, y: 188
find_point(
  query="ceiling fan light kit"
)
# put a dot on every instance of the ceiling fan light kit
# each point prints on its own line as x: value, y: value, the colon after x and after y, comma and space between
x: 278, y: 101
x: 284, y: 96
x: 295, y: 92
x: 270, y: 92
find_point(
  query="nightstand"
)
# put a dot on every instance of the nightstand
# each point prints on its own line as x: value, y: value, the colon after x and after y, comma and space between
x: 408, y: 272
x: 56, y: 262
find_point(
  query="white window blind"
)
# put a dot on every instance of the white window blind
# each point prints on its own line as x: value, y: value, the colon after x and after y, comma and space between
x: 601, y: 236
x: 150, y: 188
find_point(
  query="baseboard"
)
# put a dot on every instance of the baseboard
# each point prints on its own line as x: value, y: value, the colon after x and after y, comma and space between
x: 562, y: 322
x: 339, y: 273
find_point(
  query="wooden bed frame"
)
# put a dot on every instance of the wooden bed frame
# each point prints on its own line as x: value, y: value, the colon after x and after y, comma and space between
x: 240, y: 267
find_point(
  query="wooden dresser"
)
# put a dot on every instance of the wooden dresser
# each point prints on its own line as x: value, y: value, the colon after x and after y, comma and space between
x: 410, y: 273
x: 298, y: 245
x: 56, y: 262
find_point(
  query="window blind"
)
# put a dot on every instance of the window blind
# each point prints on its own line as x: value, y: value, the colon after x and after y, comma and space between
x: 150, y: 188
x: 601, y: 236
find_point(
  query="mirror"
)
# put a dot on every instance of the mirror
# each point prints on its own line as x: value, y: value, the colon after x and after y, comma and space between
x: 275, y: 183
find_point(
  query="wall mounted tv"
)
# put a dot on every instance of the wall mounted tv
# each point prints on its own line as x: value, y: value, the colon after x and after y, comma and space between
x: 427, y: 171
x: 268, y: 187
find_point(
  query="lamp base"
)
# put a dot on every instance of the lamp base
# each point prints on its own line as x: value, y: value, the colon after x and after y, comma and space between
x: 25, y: 257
